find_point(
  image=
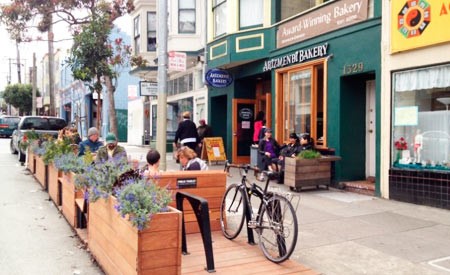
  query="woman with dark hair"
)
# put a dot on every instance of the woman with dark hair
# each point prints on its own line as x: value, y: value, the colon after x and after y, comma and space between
x: 289, y: 150
x: 306, y: 142
x: 258, y: 124
x: 152, y: 170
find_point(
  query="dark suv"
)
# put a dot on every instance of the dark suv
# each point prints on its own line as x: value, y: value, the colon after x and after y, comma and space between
x: 8, y: 124
x: 40, y: 124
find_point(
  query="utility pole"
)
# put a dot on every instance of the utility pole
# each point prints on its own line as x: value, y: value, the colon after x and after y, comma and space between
x: 51, y: 68
x: 161, y: 122
x: 33, y: 81
x: 19, y: 78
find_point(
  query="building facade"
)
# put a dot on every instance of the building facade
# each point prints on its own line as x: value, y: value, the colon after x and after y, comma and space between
x: 186, y: 90
x: 415, y: 108
x: 311, y: 66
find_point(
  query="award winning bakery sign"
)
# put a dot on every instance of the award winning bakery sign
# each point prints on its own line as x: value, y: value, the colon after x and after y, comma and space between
x: 328, y: 18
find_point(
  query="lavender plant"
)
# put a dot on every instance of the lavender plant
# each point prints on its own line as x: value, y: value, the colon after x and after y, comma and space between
x: 99, y: 178
x: 140, y: 200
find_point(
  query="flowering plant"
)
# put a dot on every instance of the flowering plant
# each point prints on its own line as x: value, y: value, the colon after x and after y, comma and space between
x: 140, y: 200
x: 69, y: 162
x: 99, y: 177
x: 401, y: 144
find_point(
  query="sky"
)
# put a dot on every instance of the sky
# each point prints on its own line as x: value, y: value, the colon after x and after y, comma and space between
x: 8, y: 53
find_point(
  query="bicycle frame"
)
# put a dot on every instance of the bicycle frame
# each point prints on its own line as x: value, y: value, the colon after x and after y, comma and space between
x: 252, y: 190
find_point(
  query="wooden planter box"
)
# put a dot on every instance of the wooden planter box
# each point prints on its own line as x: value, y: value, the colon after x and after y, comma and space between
x: 300, y: 173
x: 69, y: 195
x: 54, y: 189
x: 41, y: 171
x: 209, y: 185
x: 31, y: 161
x: 120, y: 248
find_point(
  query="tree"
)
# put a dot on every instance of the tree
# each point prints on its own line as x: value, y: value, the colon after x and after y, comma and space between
x: 97, y: 60
x: 20, y: 96
x: 19, y: 14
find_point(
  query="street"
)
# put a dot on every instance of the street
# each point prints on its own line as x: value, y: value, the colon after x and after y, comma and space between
x: 34, y: 236
x: 339, y: 232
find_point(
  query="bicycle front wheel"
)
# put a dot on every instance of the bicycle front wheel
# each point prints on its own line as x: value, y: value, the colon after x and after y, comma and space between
x: 278, y: 229
x: 232, y: 211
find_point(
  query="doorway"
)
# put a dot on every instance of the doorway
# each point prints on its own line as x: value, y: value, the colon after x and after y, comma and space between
x: 243, y: 117
x: 370, y: 129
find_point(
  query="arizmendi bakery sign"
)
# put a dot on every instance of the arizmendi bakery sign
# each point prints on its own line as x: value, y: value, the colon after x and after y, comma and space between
x: 328, y: 18
x: 296, y: 57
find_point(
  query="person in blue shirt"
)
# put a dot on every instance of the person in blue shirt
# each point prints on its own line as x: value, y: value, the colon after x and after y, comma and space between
x: 92, y: 142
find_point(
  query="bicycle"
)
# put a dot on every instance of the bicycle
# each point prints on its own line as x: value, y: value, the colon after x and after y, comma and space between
x: 275, y: 222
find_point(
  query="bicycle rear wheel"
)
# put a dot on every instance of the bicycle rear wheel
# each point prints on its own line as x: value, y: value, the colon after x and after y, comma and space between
x: 232, y: 211
x: 277, y: 229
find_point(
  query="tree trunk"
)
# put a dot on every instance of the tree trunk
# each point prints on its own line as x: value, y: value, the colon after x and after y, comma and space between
x: 19, y: 77
x: 112, y: 106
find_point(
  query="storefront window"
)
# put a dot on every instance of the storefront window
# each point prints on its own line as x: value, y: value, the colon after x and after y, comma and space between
x: 302, y: 101
x: 421, y: 118
x: 174, y: 111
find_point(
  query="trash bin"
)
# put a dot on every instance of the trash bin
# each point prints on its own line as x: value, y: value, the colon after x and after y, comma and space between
x: 255, y: 157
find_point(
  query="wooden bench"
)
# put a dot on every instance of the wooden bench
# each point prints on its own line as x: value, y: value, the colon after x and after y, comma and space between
x: 209, y: 185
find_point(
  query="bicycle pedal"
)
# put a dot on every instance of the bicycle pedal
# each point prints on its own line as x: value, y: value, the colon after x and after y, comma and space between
x: 252, y: 224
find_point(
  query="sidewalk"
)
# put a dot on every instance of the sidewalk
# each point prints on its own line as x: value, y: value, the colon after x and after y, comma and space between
x: 339, y: 232
x: 348, y: 233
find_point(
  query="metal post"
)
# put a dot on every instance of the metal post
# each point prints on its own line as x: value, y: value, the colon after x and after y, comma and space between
x: 161, y: 124
x: 33, y: 81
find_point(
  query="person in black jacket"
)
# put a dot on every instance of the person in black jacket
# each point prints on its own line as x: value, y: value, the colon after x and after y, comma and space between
x: 270, y: 150
x: 186, y: 133
x: 289, y: 150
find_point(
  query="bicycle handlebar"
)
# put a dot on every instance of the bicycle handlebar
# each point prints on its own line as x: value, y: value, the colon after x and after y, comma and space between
x: 247, y: 167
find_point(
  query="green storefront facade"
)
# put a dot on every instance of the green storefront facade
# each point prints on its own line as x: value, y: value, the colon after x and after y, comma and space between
x: 337, y: 72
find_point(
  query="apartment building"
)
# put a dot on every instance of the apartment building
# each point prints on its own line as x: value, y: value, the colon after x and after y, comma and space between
x: 186, y: 90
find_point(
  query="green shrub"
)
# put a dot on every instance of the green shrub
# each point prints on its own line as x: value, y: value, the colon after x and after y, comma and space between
x: 309, y: 154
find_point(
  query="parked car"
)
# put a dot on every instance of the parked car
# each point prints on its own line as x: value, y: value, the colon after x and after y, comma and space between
x: 40, y: 124
x: 8, y: 124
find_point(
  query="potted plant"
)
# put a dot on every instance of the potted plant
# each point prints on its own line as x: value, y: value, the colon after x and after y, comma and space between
x: 30, y: 143
x: 133, y: 227
x: 309, y: 168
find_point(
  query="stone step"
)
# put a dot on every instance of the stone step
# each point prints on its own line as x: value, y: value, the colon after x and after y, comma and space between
x: 365, y: 187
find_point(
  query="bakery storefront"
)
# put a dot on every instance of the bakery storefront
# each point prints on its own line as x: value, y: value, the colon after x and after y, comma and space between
x: 315, y: 80
x: 420, y: 110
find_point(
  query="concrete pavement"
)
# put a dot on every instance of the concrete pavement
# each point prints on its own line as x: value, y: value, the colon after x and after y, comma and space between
x: 34, y: 236
x: 348, y: 233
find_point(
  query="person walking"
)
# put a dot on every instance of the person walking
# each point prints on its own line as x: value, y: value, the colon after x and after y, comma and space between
x: 257, y: 126
x: 204, y: 131
x: 186, y: 133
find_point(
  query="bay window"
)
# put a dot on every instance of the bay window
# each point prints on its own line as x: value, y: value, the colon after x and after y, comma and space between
x: 151, y: 31
x: 220, y: 19
x: 250, y: 13
x: 186, y: 16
